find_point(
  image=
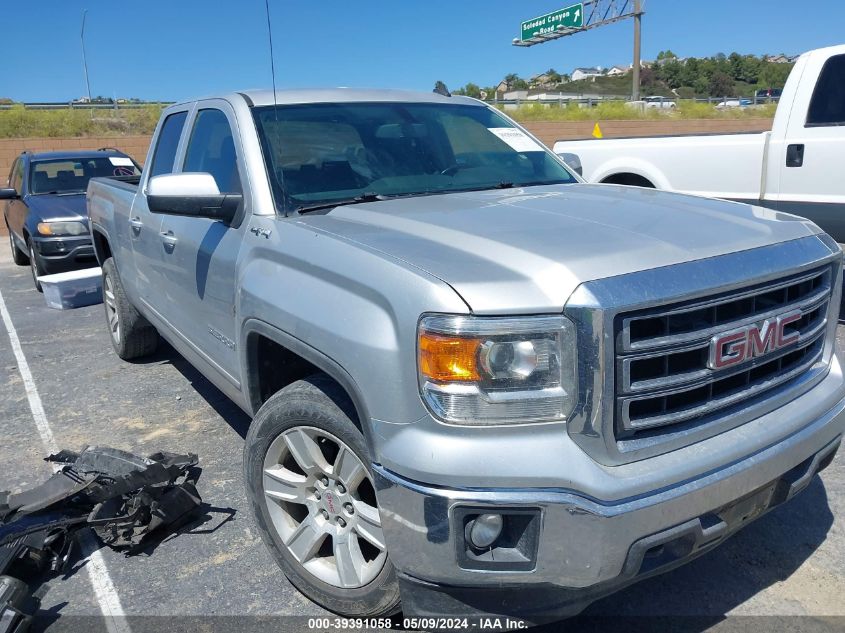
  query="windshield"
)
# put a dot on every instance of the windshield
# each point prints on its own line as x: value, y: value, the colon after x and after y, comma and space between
x: 340, y: 152
x: 71, y: 175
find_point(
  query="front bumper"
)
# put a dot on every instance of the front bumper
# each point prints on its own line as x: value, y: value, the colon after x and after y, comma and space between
x: 61, y: 254
x: 583, y: 548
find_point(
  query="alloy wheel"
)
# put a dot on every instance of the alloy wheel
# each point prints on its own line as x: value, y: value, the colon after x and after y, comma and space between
x: 322, y: 504
x: 33, y: 266
x: 111, y: 309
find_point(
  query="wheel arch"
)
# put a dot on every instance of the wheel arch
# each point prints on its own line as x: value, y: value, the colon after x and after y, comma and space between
x: 628, y: 178
x: 256, y: 333
x: 102, y: 246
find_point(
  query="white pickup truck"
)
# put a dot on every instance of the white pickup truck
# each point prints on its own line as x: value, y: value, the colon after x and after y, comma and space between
x: 796, y: 167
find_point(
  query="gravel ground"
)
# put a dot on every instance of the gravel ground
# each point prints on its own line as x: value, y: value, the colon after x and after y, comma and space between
x: 789, y: 563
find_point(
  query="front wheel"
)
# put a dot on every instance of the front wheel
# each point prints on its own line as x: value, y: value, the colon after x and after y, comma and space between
x: 308, y: 478
x: 36, y: 267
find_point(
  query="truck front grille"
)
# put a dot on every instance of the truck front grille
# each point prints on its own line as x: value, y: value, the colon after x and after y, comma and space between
x: 665, y: 372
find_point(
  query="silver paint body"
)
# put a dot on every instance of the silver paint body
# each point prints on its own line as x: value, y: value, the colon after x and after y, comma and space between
x: 350, y: 285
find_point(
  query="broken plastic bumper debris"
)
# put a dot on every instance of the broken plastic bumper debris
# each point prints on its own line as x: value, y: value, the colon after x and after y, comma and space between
x: 123, y: 497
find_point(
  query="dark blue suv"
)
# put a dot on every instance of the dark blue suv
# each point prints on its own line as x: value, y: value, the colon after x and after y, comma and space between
x: 44, y: 206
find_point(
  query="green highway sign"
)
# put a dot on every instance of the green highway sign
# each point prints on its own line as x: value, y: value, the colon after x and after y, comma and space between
x: 568, y: 18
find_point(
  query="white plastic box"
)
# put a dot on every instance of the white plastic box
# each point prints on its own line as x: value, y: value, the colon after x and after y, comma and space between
x: 73, y: 289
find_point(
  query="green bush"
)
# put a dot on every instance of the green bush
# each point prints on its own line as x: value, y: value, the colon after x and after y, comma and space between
x: 20, y: 122
x: 620, y: 110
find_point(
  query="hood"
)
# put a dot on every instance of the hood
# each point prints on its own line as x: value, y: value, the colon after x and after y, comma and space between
x: 57, y: 207
x: 526, y: 250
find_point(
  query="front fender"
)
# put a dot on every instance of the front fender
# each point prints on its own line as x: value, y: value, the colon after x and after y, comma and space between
x: 351, y: 310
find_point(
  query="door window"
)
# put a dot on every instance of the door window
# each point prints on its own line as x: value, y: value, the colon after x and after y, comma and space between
x: 827, y: 107
x: 16, y: 179
x: 167, y: 144
x: 211, y: 150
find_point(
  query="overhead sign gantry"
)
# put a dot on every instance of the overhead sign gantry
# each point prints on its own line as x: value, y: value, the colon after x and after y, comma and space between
x: 583, y: 17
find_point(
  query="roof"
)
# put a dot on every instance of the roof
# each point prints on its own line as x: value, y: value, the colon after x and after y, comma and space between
x: 588, y: 70
x: 344, y: 95
x: 71, y: 154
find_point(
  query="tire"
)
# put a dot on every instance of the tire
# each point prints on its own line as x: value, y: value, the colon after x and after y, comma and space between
x: 36, y: 267
x: 315, y: 414
x: 131, y: 334
x: 18, y: 256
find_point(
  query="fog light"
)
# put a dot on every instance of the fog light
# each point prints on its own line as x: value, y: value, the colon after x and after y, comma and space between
x: 484, y: 530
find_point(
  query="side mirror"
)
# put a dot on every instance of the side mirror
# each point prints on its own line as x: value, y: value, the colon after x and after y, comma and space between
x: 7, y: 193
x: 191, y: 194
x: 573, y: 162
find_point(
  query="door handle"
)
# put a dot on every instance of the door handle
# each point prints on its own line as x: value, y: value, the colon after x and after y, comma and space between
x: 795, y: 155
x: 169, y: 238
x: 136, y: 223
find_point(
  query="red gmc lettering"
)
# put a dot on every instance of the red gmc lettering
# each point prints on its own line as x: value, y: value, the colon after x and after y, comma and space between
x: 737, y: 346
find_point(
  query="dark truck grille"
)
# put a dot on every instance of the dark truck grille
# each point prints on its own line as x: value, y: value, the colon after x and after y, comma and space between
x: 665, y: 368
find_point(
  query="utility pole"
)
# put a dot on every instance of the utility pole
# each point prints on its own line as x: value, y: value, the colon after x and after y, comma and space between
x: 84, y: 60
x: 635, y: 93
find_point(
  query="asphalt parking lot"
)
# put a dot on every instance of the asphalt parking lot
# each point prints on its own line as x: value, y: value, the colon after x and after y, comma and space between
x: 789, y: 563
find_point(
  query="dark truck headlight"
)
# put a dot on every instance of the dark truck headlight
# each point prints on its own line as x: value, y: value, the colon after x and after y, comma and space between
x: 494, y: 370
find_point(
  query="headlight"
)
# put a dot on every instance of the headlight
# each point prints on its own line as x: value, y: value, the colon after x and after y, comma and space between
x: 478, y: 370
x: 62, y: 228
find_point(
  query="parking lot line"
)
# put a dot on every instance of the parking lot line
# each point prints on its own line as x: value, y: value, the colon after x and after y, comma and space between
x: 98, y: 573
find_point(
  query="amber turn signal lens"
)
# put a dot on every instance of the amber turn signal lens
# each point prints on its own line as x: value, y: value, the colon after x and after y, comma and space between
x: 449, y: 359
x: 44, y: 228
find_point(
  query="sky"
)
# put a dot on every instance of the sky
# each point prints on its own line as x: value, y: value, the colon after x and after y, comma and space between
x: 178, y: 49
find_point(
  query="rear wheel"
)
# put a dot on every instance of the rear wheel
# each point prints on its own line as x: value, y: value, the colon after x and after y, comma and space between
x: 18, y: 256
x: 307, y: 472
x: 131, y: 334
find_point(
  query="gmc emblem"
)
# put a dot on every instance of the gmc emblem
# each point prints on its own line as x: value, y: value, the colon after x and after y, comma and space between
x: 737, y: 346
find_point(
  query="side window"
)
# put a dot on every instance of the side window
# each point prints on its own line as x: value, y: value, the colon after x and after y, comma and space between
x: 827, y: 106
x: 168, y: 141
x: 212, y: 150
x: 16, y: 179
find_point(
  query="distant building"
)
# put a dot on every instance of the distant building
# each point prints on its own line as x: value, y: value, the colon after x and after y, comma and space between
x: 585, y: 73
x: 541, y: 81
x: 779, y: 59
x: 617, y: 71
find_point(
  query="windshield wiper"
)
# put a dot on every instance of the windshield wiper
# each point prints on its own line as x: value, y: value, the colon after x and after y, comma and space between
x: 364, y: 197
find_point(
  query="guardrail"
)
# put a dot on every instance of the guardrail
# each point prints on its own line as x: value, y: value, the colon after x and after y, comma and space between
x: 76, y: 105
x: 651, y: 102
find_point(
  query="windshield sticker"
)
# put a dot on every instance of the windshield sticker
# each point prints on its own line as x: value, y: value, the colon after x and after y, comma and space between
x: 517, y: 139
x: 121, y: 161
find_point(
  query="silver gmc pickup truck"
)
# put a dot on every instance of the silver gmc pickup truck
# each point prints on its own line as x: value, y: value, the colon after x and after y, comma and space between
x: 478, y: 385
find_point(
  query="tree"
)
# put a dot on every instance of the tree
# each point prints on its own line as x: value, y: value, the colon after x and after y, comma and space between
x: 511, y: 79
x: 440, y: 88
x: 773, y: 75
x: 721, y: 85
x: 667, y: 54
x: 472, y: 90
x: 554, y: 76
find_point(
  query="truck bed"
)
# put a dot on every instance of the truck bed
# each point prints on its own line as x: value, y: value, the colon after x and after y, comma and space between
x: 717, y: 165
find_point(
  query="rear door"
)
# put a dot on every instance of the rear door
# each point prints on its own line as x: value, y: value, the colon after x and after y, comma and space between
x: 143, y: 227
x: 813, y: 152
x: 199, y: 255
